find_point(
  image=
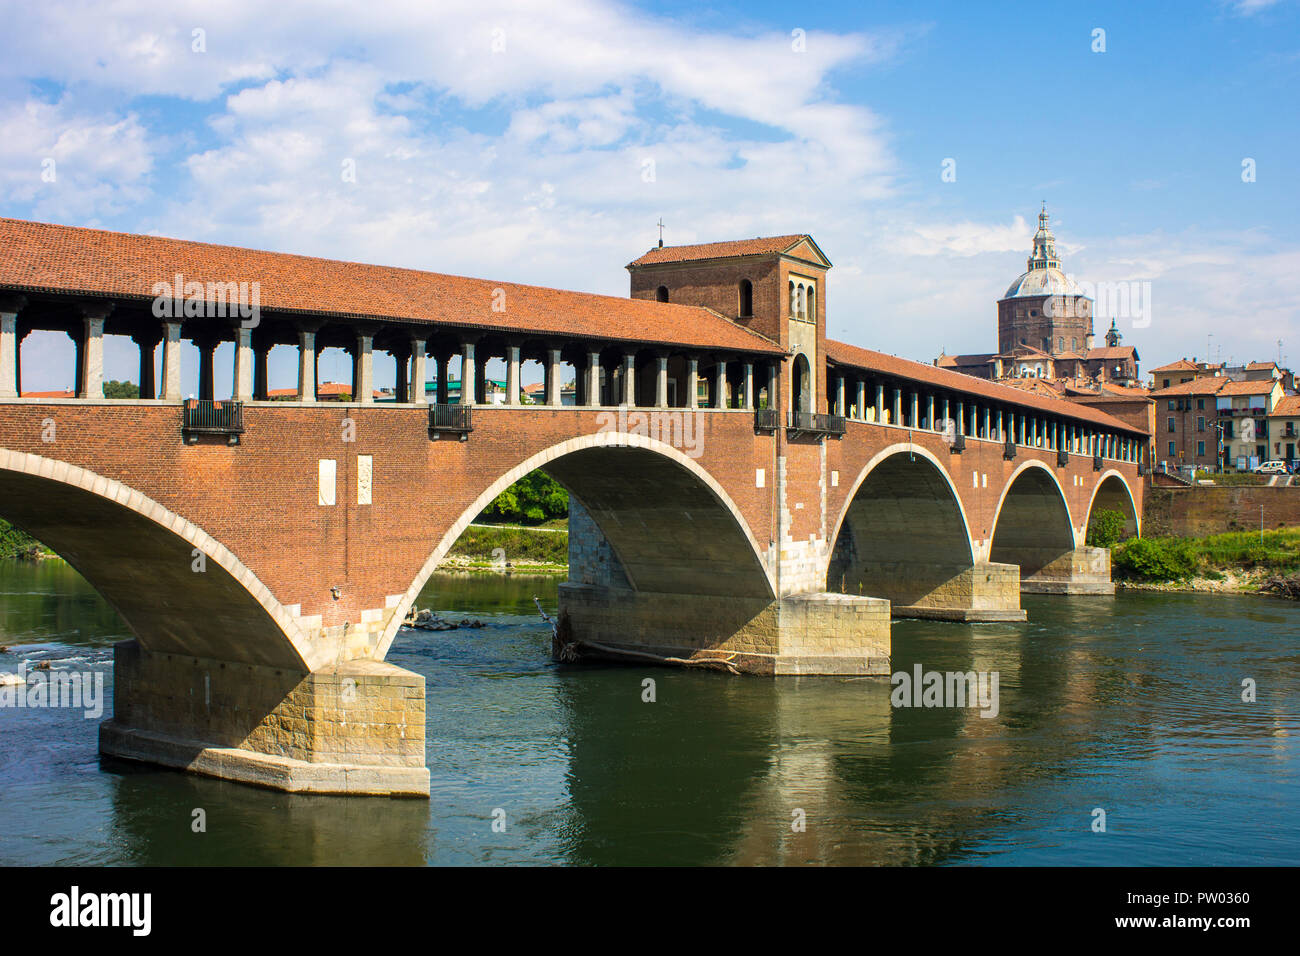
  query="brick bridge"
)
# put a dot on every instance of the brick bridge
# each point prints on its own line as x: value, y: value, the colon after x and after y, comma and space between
x: 742, y: 488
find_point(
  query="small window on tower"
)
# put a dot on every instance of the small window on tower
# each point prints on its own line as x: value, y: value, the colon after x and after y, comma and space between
x: 661, y: 294
x: 746, y: 298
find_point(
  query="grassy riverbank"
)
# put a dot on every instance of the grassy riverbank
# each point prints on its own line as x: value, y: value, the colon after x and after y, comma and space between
x: 491, y: 548
x: 1237, y: 561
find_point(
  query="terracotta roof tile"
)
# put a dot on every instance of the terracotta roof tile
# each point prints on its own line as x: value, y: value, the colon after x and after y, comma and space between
x: 43, y: 257
x: 719, y: 250
x: 1209, y: 385
x: 1112, y: 352
x: 1288, y: 407
x: 1182, y: 365
x: 842, y: 353
x: 1248, y: 388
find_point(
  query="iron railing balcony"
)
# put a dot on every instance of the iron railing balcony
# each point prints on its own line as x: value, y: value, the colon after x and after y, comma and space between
x: 1097, y: 463
x: 767, y: 419
x: 811, y: 423
x: 958, y: 443
x: 456, y: 419
x: 1063, y: 457
x: 203, y: 417
x: 1009, y: 449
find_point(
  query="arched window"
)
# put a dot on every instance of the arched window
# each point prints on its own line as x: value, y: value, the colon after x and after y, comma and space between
x: 746, y: 298
x: 1060, y: 344
x: 661, y: 294
x: 801, y: 312
x: 812, y: 304
x: 793, y: 311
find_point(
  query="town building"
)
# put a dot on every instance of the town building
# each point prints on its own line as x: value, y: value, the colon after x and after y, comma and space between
x: 1284, y: 429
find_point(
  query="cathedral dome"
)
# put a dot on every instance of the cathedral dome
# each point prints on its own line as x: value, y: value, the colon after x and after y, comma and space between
x: 1043, y: 275
x: 1048, y: 280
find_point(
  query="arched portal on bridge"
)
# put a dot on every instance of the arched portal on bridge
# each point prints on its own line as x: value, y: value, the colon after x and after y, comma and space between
x: 1032, y: 527
x: 1112, y: 494
x: 902, y: 534
x: 180, y: 591
x: 802, y: 384
x: 665, y: 525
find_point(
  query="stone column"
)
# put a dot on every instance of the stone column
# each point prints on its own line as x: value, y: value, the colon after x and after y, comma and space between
x: 242, y: 387
x: 261, y: 377
x: 363, y: 369
x: 629, y: 379
x: 987, y: 425
x: 916, y: 410
x: 593, y: 379
x: 661, y: 383
x: 468, y: 375
x: 554, y: 371
x: 720, y: 384
x: 92, y: 358
x: 693, y: 383
x: 862, y: 400
x: 773, y: 385
x: 839, y: 395
x: 897, y: 417
x: 416, y: 391
x: 747, y: 395
x: 929, y: 412
x: 512, y: 375
x: 9, y: 343
x: 961, y: 418
x: 880, y: 404
x: 171, y: 362
x: 147, y: 343
x: 306, y: 365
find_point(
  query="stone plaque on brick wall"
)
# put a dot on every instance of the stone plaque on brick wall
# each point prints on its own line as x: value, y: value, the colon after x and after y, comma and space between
x: 327, y: 474
x: 365, y: 473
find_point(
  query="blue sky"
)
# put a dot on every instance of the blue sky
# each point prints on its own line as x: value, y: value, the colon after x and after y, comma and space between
x: 511, y: 140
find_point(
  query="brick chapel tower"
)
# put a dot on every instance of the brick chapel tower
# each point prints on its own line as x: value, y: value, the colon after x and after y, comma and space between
x: 775, y: 286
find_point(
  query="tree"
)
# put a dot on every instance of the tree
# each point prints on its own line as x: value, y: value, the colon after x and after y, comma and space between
x: 1106, y: 528
x: 533, y: 499
x: 116, y: 389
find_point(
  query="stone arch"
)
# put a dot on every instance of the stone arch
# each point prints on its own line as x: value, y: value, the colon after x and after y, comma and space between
x: 643, y: 494
x: 1032, y: 526
x: 801, y: 384
x: 139, y: 556
x: 902, y: 532
x: 1112, y: 493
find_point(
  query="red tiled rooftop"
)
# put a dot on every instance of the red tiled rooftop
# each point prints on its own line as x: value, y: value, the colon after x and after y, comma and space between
x: 1288, y: 407
x: 1182, y: 365
x: 841, y: 353
x: 768, y: 245
x: 1248, y: 388
x: 1209, y: 385
x: 66, y: 393
x: 52, y: 258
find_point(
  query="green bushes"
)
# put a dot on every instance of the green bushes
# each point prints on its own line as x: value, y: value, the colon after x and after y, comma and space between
x: 17, y: 544
x: 1106, y: 528
x: 533, y: 499
x: 1176, y: 559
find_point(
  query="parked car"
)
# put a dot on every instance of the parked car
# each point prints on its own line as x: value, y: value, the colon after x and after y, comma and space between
x: 1274, y: 466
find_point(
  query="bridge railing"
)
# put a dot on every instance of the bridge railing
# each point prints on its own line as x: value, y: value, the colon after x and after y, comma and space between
x: 202, y: 417
x: 457, y: 419
x: 767, y: 419
x: 812, y: 423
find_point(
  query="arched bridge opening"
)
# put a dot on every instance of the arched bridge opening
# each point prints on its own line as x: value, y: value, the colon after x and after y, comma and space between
x: 1033, y: 530
x: 1112, y: 495
x: 903, y: 535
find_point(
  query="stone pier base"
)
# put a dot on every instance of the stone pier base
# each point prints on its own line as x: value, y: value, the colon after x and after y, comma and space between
x: 1081, y: 571
x: 357, y: 728
x: 797, y: 634
x: 983, y: 592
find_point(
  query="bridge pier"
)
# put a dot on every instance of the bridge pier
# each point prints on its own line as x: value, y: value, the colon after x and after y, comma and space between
x: 356, y: 728
x: 795, y: 634
x: 984, y: 592
x: 1079, y: 571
